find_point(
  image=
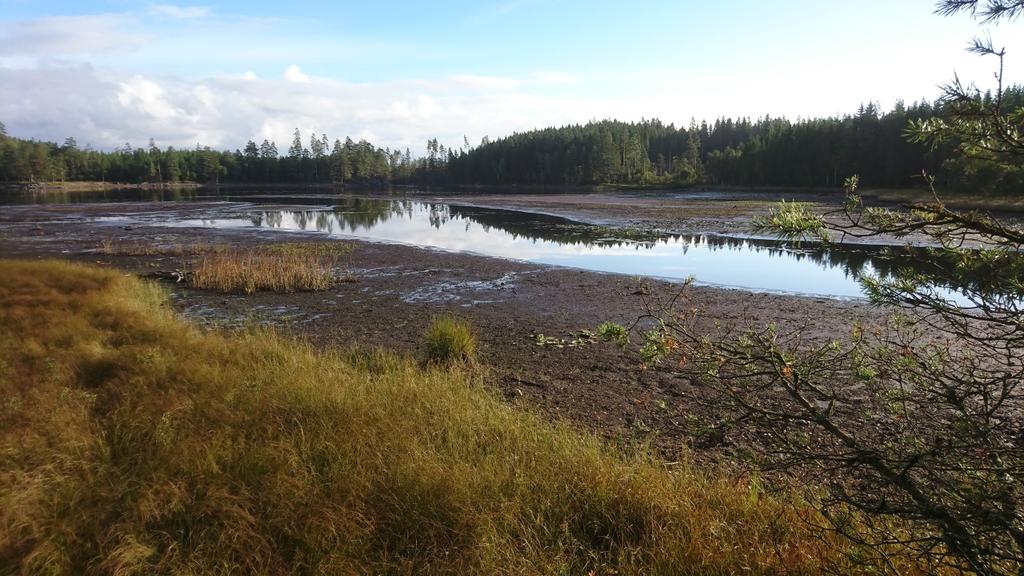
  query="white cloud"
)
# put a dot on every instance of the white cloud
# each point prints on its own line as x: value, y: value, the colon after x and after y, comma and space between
x: 145, y: 96
x: 174, y: 11
x: 50, y: 100
x: 106, y: 109
x: 294, y: 74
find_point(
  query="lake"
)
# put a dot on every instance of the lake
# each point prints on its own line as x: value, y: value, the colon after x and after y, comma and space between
x: 725, y: 261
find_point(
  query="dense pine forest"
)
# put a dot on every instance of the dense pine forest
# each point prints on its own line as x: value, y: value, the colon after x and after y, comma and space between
x: 763, y: 152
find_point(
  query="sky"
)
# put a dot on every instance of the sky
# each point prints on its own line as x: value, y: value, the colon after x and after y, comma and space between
x: 398, y: 72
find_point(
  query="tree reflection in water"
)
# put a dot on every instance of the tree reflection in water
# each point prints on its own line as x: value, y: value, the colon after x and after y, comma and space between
x: 362, y: 216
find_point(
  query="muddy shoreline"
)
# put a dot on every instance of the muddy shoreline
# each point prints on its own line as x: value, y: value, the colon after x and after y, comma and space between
x: 718, y: 212
x: 394, y: 291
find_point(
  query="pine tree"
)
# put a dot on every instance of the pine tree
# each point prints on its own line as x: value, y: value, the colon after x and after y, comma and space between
x: 295, y: 151
x: 316, y: 146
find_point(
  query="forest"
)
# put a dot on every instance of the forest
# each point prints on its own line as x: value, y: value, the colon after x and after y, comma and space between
x: 766, y: 152
x: 321, y: 162
x: 774, y: 152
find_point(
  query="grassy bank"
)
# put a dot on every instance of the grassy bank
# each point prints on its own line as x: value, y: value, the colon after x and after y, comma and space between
x: 134, y: 443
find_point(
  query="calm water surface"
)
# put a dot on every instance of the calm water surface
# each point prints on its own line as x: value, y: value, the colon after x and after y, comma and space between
x: 746, y: 263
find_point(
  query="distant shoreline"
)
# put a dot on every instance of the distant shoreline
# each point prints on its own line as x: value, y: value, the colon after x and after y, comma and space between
x: 959, y: 201
x: 88, y: 186
x: 78, y: 186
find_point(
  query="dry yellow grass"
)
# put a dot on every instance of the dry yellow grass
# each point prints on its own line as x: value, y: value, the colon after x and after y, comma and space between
x: 290, y: 267
x: 250, y: 270
x: 281, y: 267
x: 133, y: 443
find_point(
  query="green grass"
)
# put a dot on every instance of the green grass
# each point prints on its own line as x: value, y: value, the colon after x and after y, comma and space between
x: 450, y: 340
x: 134, y: 443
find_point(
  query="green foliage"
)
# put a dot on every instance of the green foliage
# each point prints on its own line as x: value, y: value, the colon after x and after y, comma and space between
x: 657, y: 345
x: 450, y: 340
x: 613, y: 332
x: 793, y: 221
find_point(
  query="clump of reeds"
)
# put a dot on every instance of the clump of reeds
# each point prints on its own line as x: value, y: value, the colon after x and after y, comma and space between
x: 290, y: 267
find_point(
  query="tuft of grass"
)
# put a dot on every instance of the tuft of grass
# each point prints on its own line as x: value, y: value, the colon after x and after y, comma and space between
x: 289, y: 267
x: 135, y: 443
x: 450, y: 340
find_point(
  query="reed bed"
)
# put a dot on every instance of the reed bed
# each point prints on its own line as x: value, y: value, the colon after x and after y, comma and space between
x: 290, y: 267
x: 251, y: 270
x: 278, y: 267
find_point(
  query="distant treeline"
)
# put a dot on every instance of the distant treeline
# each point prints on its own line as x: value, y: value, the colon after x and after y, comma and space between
x: 319, y: 162
x: 764, y: 152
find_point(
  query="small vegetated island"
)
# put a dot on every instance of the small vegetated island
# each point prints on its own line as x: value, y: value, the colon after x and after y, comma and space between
x: 136, y: 442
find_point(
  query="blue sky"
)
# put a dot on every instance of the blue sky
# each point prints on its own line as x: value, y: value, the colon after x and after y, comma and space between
x: 220, y: 73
